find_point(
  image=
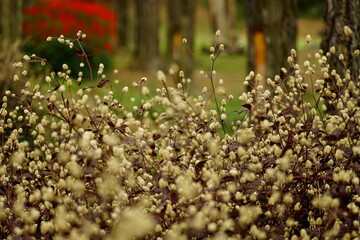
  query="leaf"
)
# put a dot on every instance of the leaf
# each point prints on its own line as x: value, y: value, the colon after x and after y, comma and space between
x: 122, y: 128
x: 198, y: 168
x: 152, y: 146
x: 308, y: 122
x: 276, y: 125
x: 111, y: 124
x: 56, y: 87
x: 335, y: 135
x: 78, y: 53
x: 244, y: 111
x: 174, y: 197
x: 328, y: 80
x: 247, y: 106
x: 156, y: 136
x: 50, y: 106
x: 228, y: 113
x: 286, y: 111
x: 228, y: 178
x: 263, y: 117
x: 282, y: 74
x: 102, y: 83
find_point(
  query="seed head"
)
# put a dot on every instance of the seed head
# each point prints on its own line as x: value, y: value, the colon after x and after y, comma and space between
x: 347, y: 31
x: 308, y: 38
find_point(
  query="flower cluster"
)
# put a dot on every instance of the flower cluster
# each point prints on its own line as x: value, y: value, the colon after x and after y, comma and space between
x: 92, y: 168
x: 53, y: 17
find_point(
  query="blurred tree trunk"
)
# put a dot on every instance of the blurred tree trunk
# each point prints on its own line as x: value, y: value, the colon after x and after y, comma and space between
x: 174, y: 10
x: 232, y: 21
x: 11, y: 20
x: 181, y: 20
x: 223, y: 17
x: 147, y: 39
x: 272, y: 29
x: 340, y: 13
x: 121, y: 8
x: 218, y: 17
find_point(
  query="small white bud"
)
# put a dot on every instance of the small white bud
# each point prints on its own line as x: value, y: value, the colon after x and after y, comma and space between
x: 62, y: 88
x: 26, y: 58
x: 308, y: 38
x: 146, y: 106
x: 290, y: 60
x: 16, y: 78
x: 332, y: 49
x: 161, y: 76
x: 347, y: 31
x: 125, y: 89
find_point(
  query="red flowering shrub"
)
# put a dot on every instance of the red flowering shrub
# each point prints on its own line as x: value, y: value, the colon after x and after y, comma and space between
x: 64, y: 17
x: 55, y: 17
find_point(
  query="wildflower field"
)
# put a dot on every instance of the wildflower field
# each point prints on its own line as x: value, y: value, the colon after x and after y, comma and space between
x: 81, y: 161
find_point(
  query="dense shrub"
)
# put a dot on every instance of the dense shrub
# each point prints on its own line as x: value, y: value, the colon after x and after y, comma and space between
x: 93, y: 169
x: 55, y: 17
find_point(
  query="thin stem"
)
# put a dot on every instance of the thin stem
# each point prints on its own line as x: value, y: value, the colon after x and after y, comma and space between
x: 87, y: 61
x: 213, y: 88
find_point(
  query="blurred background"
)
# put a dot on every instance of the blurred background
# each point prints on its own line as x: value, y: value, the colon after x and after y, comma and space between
x: 139, y: 37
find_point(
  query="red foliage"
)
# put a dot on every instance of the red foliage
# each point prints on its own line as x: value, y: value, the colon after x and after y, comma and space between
x: 67, y: 17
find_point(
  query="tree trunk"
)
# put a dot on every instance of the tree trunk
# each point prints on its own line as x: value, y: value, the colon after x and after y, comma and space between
x: 131, y: 27
x: 11, y: 20
x: 6, y: 21
x: 121, y: 7
x: 218, y: 17
x: 147, y: 42
x: 19, y: 19
x: 232, y: 21
x: 188, y: 31
x: 271, y: 34
x: 223, y: 17
x: 181, y: 16
x: 340, y: 13
x: 174, y: 9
